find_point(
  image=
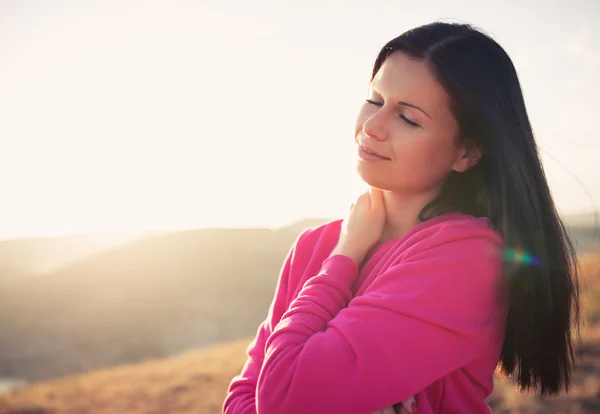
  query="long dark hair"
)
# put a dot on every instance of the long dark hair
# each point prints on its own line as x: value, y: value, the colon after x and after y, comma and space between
x: 509, y: 187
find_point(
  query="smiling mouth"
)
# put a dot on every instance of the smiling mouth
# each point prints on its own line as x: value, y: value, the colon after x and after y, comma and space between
x: 372, y: 153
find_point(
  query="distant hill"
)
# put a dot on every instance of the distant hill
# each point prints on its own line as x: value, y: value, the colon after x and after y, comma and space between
x: 589, y: 219
x: 27, y: 257
x: 584, y: 230
x: 148, y: 297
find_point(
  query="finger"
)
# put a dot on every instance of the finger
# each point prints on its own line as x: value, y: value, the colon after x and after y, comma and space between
x: 388, y: 410
x: 376, y: 198
x: 364, y: 200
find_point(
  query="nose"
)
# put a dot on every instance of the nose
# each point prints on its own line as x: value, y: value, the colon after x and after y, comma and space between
x: 375, y: 126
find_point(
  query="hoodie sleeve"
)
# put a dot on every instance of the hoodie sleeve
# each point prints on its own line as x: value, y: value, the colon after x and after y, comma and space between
x: 241, y: 395
x: 332, y: 353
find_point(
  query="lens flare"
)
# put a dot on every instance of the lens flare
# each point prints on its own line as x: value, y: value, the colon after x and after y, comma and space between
x: 519, y: 256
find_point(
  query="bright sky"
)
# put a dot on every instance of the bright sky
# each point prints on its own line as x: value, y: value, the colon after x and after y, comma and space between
x: 150, y: 115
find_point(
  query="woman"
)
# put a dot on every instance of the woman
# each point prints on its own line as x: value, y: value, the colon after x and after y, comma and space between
x: 453, y: 261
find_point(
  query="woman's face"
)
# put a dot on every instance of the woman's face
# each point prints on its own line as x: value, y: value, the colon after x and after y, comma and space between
x: 406, y: 120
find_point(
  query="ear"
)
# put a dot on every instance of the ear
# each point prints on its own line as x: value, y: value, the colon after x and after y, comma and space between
x: 468, y: 157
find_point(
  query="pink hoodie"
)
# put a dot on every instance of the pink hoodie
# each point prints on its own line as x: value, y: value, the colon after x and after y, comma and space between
x: 423, y: 315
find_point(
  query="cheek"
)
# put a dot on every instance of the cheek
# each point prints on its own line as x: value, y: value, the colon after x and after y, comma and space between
x: 422, y: 161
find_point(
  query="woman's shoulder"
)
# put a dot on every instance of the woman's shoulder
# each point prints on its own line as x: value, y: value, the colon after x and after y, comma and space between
x: 446, y: 228
x: 455, y: 234
x: 312, y: 246
x: 319, y: 236
x: 454, y: 227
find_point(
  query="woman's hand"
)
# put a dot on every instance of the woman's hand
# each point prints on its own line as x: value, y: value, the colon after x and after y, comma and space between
x: 363, y: 227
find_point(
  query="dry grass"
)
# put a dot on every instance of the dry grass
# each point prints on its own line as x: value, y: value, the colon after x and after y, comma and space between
x: 196, y: 382
x: 590, y: 269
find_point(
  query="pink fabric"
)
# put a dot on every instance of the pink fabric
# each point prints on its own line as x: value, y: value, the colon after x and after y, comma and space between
x: 422, y: 316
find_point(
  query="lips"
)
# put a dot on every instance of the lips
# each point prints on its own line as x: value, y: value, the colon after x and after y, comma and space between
x: 371, y: 151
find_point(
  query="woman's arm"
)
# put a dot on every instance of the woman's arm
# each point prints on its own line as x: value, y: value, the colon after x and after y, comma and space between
x: 331, y: 353
x: 241, y: 396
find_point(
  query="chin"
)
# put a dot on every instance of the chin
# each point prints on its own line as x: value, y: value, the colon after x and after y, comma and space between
x: 373, y: 178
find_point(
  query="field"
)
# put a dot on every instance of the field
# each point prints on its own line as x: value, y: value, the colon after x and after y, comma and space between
x: 196, y: 381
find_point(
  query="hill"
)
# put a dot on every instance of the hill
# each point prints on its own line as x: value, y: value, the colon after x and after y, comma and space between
x: 30, y: 257
x: 149, y: 297
x: 196, y: 381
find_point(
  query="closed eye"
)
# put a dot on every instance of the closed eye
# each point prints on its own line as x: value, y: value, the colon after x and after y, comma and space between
x: 402, y: 117
x: 408, y: 121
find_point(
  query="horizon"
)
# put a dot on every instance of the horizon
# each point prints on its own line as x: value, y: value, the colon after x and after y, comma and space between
x: 122, y: 118
x: 586, y: 219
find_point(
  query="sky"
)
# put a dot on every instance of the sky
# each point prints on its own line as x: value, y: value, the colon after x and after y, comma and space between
x: 161, y: 115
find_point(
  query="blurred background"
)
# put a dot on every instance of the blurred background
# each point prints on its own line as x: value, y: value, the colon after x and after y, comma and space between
x: 158, y: 159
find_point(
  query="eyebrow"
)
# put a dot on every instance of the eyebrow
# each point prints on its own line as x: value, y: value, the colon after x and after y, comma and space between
x: 402, y: 103
x: 413, y: 106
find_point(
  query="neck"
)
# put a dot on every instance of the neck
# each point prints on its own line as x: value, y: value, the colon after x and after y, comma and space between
x: 402, y: 213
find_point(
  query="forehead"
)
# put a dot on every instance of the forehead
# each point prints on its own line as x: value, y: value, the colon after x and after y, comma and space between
x: 402, y: 78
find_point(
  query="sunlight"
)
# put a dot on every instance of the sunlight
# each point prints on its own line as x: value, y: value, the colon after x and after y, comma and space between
x: 132, y: 133
x: 170, y: 117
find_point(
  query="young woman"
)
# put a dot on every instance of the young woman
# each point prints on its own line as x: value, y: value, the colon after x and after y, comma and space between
x: 454, y: 261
